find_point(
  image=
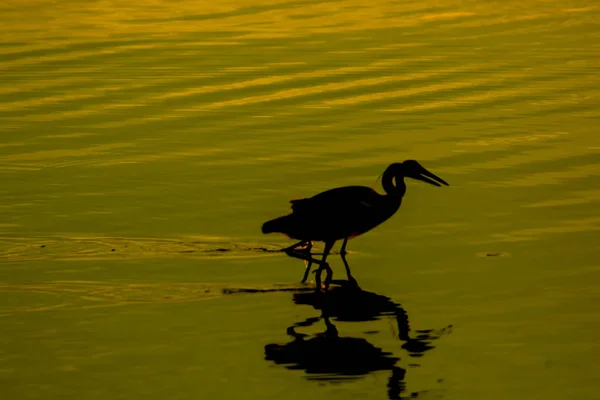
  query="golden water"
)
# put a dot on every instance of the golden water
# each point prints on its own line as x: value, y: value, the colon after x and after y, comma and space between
x: 143, y: 144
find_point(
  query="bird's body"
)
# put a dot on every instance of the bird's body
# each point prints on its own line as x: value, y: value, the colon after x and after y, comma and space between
x: 345, y: 212
x: 335, y: 214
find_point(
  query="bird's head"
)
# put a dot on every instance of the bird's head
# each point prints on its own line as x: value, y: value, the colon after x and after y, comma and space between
x: 412, y: 169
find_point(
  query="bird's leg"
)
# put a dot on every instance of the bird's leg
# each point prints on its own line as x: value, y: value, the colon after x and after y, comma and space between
x: 323, y: 265
x: 293, y: 251
x: 343, y: 249
x: 343, y: 256
x: 350, y: 277
x: 307, y: 263
x: 294, y: 246
x: 305, y: 256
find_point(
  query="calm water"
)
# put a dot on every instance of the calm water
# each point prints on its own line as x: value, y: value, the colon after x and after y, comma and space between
x: 142, y: 146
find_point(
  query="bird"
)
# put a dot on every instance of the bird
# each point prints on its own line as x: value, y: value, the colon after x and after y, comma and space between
x: 344, y: 213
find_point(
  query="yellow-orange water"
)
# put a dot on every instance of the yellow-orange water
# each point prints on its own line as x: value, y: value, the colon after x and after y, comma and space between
x: 143, y: 145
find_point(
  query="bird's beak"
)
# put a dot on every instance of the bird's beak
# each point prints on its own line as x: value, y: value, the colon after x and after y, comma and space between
x: 424, y: 176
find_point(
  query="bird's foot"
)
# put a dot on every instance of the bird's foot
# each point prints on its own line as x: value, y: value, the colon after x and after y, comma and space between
x: 299, y: 247
x: 307, y: 265
x: 305, y: 247
x: 325, y: 286
x: 327, y: 282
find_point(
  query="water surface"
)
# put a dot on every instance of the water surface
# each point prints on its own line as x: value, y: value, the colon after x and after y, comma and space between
x: 144, y: 144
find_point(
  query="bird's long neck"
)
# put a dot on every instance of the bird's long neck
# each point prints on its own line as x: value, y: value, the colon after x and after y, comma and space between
x: 399, y: 188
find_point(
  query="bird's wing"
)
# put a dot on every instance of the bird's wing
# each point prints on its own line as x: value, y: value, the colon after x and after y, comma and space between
x: 297, y: 204
x: 344, y: 200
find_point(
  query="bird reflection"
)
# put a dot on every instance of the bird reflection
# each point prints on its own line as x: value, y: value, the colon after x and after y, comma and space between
x: 327, y: 356
x: 349, y: 303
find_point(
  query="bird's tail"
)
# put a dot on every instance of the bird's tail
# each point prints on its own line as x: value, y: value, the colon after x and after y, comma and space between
x: 275, y: 225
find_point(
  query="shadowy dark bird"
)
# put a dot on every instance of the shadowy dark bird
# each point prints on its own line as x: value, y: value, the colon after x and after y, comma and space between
x: 344, y: 213
x: 330, y: 357
x: 349, y: 303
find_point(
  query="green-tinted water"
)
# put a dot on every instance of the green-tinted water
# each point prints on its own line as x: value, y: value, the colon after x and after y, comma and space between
x: 144, y: 144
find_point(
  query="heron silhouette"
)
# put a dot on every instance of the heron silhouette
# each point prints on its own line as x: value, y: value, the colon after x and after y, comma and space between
x: 344, y: 213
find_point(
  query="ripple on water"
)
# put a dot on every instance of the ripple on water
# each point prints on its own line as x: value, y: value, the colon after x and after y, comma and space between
x: 71, y: 295
x: 107, y: 248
